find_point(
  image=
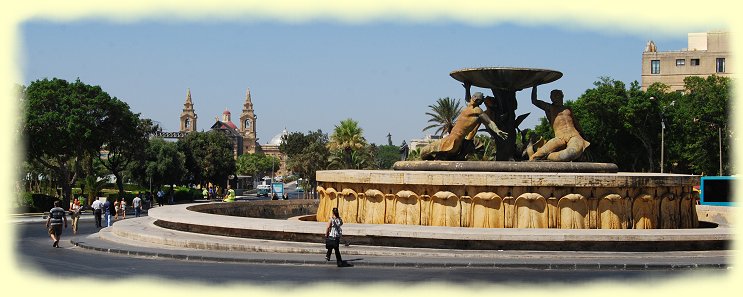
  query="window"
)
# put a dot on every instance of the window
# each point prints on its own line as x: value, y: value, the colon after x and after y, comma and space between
x: 188, y: 123
x: 694, y: 62
x: 680, y: 62
x: 654, y: 66
x: 720, y: 65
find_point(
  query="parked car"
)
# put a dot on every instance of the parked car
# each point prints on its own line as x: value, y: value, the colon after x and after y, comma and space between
x: 263, y: 190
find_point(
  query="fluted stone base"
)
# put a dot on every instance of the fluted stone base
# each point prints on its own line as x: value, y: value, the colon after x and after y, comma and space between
x: 510, y: 199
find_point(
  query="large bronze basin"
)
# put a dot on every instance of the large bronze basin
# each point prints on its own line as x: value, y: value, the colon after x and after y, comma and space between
x: 506, y: 78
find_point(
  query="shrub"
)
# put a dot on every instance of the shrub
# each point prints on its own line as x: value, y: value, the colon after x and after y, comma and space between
x: 185, y: 195
x: 32, y: 202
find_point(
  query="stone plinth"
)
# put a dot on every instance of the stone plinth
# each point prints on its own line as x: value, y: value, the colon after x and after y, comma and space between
x: 510, y: 199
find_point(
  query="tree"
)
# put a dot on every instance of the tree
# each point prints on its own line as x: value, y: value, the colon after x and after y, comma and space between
x: 164, y: 163
x: 702, y: 116
x: 347, y: 139
x: 641, y: 117
x: 255, y: 164
x: 358, y: 159
x: 306, y: 154
x: 209, y: 157
x: 443, y: 115
x: 136, y: 169
x: 126, y: 144
x: 94, y: 177
x: 386, y: 156
x: 597, y: 112
x: 63, y: 122
x: 624, y: 125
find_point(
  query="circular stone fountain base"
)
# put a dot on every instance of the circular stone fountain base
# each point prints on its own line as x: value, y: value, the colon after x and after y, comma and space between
x: 205, y: 221
x: 555, y: 200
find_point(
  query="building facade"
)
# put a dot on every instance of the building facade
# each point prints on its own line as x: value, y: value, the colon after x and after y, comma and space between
x: 706, y: 54
x: 244, y: 138
x: 188, y: 115
x: 247, y: 125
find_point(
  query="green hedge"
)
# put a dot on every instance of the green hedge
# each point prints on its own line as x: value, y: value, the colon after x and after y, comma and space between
x: 182, y: 194
x: 30, y: 202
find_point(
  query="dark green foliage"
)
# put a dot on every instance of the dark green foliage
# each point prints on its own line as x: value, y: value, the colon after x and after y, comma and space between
x: 31, y: 202
x: 209, y: 157
x: 183, y: 195
x: 164, y: 164
x: 624, y: 126
x: 306, y: 154
x: 256, y: 165
x: 66, y: 121
x: 386, y: 156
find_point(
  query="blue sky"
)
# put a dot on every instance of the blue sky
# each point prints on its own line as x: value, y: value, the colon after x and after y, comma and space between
x: 311, y: 75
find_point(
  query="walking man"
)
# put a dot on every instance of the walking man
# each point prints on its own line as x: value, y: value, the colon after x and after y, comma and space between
x: 137, y: 204
x: 108, y: 211
x: 97, y: 212
x: 54, y: 223
x: 160, y: 197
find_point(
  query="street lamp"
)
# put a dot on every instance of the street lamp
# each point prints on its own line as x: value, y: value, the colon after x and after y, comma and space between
x: 272, y: 174
x: 719, y: 138
x: 662, y: 141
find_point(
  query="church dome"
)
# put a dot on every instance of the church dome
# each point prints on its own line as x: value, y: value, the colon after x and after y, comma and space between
x: 226, y: 112
x: 276, y: 140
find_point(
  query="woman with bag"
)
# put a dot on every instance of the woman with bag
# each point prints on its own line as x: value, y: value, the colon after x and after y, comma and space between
x: 333, y: 238
x: 75, y: 209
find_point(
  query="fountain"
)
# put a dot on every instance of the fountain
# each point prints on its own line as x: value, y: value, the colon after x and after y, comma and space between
x: 492, y: 205
x: 505, y: 193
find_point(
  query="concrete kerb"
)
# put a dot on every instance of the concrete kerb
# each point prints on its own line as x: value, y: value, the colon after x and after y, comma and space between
x: 178, y: 217
x: 107, y: 241
x: 141, y: 237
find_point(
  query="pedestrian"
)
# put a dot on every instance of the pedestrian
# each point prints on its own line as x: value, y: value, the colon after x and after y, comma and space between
x: 108, y: 211
x: 137, y: 204
x: 205, y: 193
x: 97, y: 212
x: 75, y: 209
x: 54, y: 223
x: 160, y: 197
x: 147, y: 200
x: 333, y: 238
x: 170, y: 196
x: 122, y: 206
x: 211, y: 193
x: 230, y: 197
x: 117, y: 205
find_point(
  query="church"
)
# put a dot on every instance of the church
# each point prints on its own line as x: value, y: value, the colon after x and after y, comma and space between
x: 244, y: 138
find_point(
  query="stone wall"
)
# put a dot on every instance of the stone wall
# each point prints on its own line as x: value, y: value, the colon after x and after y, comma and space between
x: 550, y: 207
x: 267, y: 209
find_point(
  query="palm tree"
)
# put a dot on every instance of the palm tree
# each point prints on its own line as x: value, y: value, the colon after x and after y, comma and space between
x: 347, y: 138
x: 443, y: 115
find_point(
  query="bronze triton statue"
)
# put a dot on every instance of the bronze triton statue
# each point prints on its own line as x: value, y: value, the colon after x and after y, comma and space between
x: 567, y: 145
x: 464, y: 130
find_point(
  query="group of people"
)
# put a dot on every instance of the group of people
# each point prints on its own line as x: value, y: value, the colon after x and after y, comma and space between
x: 111, y: 211
x: 57, y: 219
